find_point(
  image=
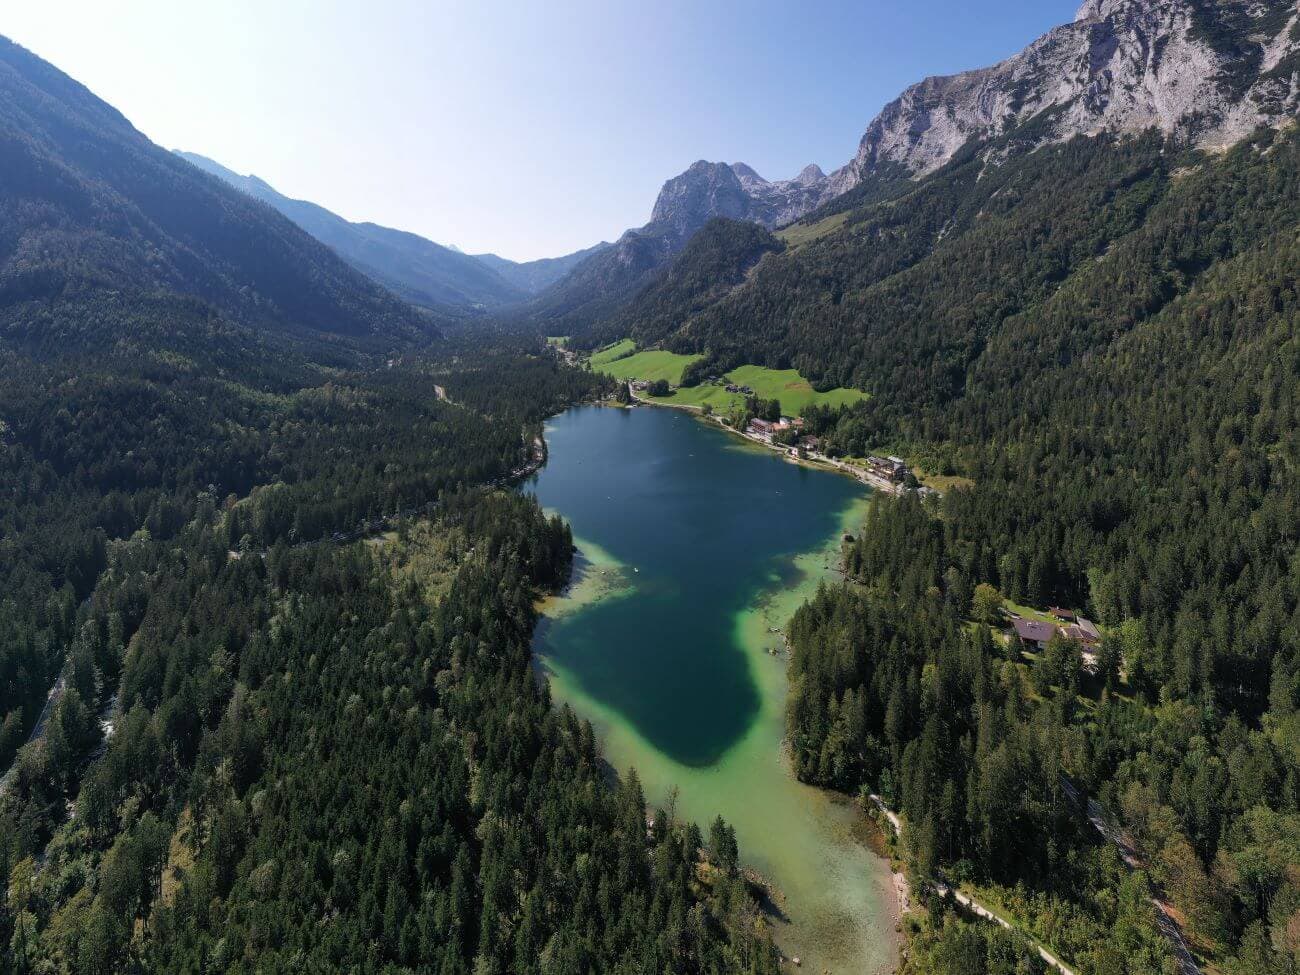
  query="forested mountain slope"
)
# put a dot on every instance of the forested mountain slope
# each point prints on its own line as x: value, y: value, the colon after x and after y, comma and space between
x: 88, y: 205
x: 1199, y: 74
x: 905, y: 297
x: 269, y: 743
x: 414, y: 268
x: 597, y: 287
x: 1099, y: 336
x: 716, y: 260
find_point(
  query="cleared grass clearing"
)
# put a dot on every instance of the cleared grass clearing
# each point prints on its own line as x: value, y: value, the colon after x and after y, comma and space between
x: 610, y: 353
x: 716, y: 396
x: 794, y: 392
x: 1029, y: 613
x: 652, y: 364
x: 786, y: 385
x: 622, y: 361
x: 943, y: 483
x: 799, y: 234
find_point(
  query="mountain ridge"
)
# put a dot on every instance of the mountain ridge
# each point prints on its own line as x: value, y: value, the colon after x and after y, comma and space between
x: 418, y: 269
x: 1207, y: 73
x: 89, y: 207
x: 1204, y: 74
x: 602, y: 283
x: 1195, y: 70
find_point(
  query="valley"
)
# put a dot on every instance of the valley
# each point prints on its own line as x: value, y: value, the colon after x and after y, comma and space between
x: 694, y: 549
x: 359, y: 613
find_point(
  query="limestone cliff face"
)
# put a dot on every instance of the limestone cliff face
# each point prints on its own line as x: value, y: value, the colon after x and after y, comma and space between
x: 1204, y: 71
x: 686, y: 202
x: 715, y: 189
x: 1208, y: 71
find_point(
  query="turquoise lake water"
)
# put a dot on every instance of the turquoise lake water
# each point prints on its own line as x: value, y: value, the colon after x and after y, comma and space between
x: 694, y: 546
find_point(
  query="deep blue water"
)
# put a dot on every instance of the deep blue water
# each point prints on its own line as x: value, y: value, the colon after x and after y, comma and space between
x: 709, y: 524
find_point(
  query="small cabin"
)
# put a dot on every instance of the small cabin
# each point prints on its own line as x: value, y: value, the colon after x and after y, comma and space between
x: 1088, y: 632
x: 1033, y: 633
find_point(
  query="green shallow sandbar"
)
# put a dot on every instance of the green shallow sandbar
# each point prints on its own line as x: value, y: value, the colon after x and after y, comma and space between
x: 694, y: 548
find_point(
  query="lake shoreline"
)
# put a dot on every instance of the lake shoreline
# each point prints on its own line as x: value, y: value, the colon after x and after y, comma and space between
x: 834, y: 896
x: 817, y: 463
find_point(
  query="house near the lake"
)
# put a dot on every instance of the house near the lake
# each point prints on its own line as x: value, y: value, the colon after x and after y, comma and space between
x: 890, y: 468
x: 1036, y: 634
x: 1033, y: 633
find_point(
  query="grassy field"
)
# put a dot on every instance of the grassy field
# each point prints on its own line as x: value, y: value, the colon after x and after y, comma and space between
x: 559, y: 341
x: 1029, y: 613
x: 943, y: 483
x: 651, y: 364
x: 616, y: 351
x: 622, y: 361
x: 785, y: 385
x: 798, y: 234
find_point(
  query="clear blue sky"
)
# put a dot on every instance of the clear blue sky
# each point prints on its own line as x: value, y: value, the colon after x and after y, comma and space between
x: 527, y: 128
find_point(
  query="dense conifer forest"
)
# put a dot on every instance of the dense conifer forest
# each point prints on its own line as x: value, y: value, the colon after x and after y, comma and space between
x: 1132, y: 445
x: 336, y: 757
x: 1093, y: 346
x: 278, y: 746
x: 266, y: 701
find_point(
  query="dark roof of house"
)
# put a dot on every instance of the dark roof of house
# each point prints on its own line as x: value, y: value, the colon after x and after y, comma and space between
x: 1034, y: 630
x: 1061, y: 614
x: 1089, y: 629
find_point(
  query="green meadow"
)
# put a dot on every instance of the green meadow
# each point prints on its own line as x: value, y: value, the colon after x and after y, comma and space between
x: 611, y: 353
x: 786, y: 385
x: 622, y: 361
x: 799, y: 234
x: 651, y: 364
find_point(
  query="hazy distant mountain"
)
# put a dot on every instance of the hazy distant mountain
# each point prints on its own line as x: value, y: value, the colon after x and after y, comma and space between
x: 536, y: 276
x: 96, y: 220
x: 417, y: 269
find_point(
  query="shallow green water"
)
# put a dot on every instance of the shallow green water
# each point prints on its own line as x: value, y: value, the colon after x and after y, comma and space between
x: 694, y: 547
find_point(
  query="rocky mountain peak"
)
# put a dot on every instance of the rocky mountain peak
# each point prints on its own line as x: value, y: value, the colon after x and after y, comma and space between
x: 737, y: 191
x: 1091, y: 10
x: 1208, y: 71
x: 686, y: 202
